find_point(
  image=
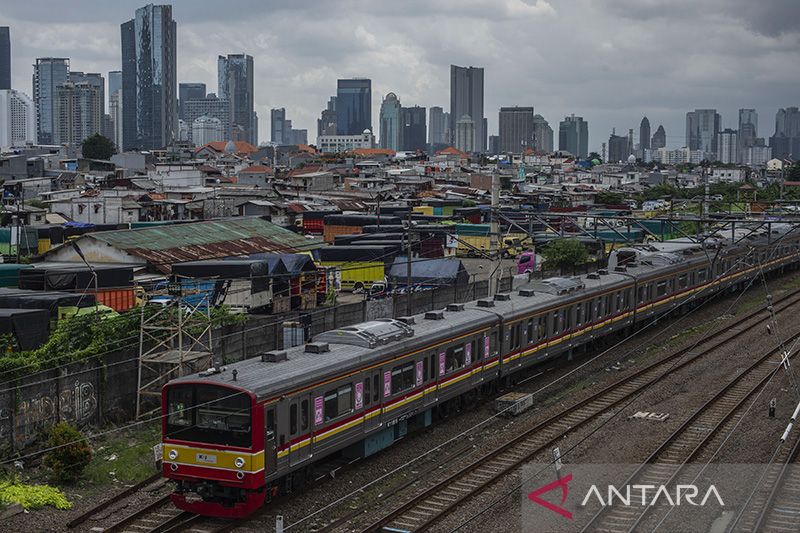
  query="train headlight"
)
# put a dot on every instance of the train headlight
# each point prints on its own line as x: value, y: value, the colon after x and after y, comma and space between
x: 173, y: 454
x: 238, y: 462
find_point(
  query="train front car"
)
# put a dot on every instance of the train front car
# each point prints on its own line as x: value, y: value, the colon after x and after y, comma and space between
x: 213, y: 448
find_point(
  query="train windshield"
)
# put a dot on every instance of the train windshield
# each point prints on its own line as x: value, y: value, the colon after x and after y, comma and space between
x: 214, y: 415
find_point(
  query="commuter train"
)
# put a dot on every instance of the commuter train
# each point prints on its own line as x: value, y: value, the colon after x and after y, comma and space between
x: 236, y: 437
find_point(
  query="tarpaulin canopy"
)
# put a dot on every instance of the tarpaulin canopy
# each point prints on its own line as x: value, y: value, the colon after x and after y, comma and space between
x: 29, y: 326
x: 50, y: 300
x: 429, y: 272
x: 43, y: 277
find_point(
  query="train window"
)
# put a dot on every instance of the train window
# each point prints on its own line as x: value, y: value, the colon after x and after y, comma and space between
x: 210, y: 414
x: 424, y: 370
x: 402, y: 377
x: 555, y: 323
x: 338, y: 402
x: 367, y: 397
x: 454, y: 358
x: 701, y: 275
x: 587, y: 312
x: 519, y: 329
x: 375, y: 387
x: 513, y: 342
x: 541, y: 327
x: 293, y: 419
x: 530, y: 330
x: 566, y: 319
x: 578, y: 314
x: 661, y: 288
x: 494, y: 340
x: 432, y: 365
x: 304, y: 414
x: 683, y: 281
x: 640, y: 295
x: 607, y: 305
x: 271, y: 420
x: 475, y: 355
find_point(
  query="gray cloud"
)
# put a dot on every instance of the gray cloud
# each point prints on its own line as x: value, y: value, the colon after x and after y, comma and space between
x: 609, y: 60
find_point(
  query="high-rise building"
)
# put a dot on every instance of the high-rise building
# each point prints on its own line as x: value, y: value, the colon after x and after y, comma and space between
x: 93, y: 78
x: 149, y: 79
x: 207, y: 129
x: 785, y: 143
x: 702, y: 126
x: 48, y: 73
x: 494, y: 145
x: 465, y: 134
x: 326, y: 123
x: 210, y: 106
x: 542, y: 135
x: 644, y: 134
x: 390, y: 123
x: 5, y: 58
x: 115, y: 113
x: 728, y: 146
x: 659, y: 139
x: 353, y: 106
x: 748, y: 131
x: 573, y: 136
x: 516, y: 129
x: 235, y: 79
x: 114, y: 82
x: 413, y: 128
x: 619, y: 148
x: 78, y: 112
x: 277, y: 125
x: 466, y: 98
x: 17, y: 119
x: 189, y: 91
x: 438, y: 127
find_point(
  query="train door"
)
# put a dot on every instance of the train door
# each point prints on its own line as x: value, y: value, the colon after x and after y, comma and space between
x: 299, y: 433
x: 372, y: 387
x: 430, y: 379
x: 270, y: 448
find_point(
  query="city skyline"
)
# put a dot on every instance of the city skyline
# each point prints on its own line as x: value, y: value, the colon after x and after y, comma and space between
x: 580, y: 78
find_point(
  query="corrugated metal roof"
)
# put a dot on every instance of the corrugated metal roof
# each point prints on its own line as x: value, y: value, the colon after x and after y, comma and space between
x: 164, y: 245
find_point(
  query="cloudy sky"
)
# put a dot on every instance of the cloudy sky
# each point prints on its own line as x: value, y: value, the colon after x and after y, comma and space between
x: 611, y: 61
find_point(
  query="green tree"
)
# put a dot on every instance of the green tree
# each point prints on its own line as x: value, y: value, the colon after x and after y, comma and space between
x: 69, y: 455
x: 98, y: 147
x: 793, y: 172
x: 564, y: 254
x: 609, y: 198
x: 593, y: 156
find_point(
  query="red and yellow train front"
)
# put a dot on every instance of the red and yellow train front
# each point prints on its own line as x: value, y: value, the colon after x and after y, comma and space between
x: 213, y: 448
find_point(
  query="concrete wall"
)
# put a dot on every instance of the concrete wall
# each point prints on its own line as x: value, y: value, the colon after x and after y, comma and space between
x: 99, y: 392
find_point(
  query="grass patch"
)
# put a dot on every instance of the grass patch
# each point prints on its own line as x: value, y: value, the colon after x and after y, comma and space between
x: 125, y: 456
x: 32, y: 496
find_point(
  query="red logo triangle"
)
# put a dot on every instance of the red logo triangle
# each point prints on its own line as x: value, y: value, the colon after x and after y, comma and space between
x: 563, y: 483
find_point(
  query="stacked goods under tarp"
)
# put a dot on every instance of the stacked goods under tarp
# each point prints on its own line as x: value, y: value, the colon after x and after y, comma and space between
x: 28, y: 241
x: 352, y: 224
x: 359, y: 266
x: 9, y: 274
x: 428, y: 273
x: 240, y: 283
x: 30, y: 328
x: 313, y: 220
x: 49, y: 236
x: 112, y: 285
x: 58, y: 304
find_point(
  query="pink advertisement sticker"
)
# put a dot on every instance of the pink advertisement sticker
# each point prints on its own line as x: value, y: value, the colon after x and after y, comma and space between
x: 468, y: 354
x: 441, y: 364
x: 419, y: 373
x: 319, y: 410
x: 387, y: 384
x: 486, y: 346
x: 359, y: 395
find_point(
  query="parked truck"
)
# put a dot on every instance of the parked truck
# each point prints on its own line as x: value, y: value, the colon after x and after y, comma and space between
x: 359, y: 266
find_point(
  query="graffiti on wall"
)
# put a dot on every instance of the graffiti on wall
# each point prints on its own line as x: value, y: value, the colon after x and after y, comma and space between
x: 77, y: 403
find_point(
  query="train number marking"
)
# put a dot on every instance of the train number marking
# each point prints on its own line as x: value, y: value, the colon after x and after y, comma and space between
x: 206, y: 458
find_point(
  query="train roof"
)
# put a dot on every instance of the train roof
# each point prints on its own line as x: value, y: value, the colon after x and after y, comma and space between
x: 349, y: 348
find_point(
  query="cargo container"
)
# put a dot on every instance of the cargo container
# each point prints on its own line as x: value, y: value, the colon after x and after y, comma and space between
x: 353, y: 224
x: 359, y: 266
x: 9, y: 273
x: 117, y: 299
x: 313, y: 220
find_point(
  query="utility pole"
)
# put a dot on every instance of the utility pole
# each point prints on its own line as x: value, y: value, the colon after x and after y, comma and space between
x: 408, y: 261
x: 493, y: 232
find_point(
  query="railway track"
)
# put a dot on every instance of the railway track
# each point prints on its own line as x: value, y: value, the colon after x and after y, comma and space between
x: 156, y: 517
x: 664, y: 466
x: 776, y: 505
x: 438, y: 500
x: 133, y: 489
